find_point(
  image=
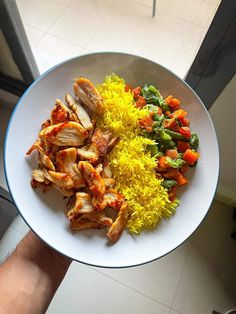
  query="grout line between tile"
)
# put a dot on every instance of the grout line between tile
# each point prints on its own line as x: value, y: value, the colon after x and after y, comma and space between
x: 179, y: 281
x: 131, y: 288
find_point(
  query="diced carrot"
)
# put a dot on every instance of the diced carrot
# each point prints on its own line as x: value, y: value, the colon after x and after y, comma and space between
x: 184, y: 121
x: 191, y: 156
x: 168, y: 99
x: 181, y: 179
x: 136, y: 92
x: 171, y: 173
x: 184, y: 168
x: 172, y: 193
x: 182, y: 146
x: 175, y: 102
x: 171, y: 124
x: 185, y: 131
x: 146, y: 123
x: 179, y: 114
x: 168, y: 114
x: 159, y: 111
x: 162, y: 164
x: 141, y: 102
x: 172, y: 153
x: 128, y: 88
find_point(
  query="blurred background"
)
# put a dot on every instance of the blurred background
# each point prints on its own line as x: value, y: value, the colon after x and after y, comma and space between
x: 196, y: 39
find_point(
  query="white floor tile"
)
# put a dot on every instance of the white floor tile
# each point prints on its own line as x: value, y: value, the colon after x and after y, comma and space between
x: 158, y: 280
x: 155, y: 51
x: 59, y: 48
x: 123, y: 41
x: 20, y: 3
x: 181, y: 63
x: 63, y: 2
x: 198, y: 11
x: 91, y: 7
x: 214, y: 242
x: 33, y: 34
x: 87, y: 291
x: 75, y: 28
x: 200, y: 291
x: 41, y: 14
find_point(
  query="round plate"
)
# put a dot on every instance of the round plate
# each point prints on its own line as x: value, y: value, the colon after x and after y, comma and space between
x: 44, y: 212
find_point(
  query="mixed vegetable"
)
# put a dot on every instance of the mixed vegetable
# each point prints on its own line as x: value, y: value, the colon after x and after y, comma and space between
x: 167, y: 124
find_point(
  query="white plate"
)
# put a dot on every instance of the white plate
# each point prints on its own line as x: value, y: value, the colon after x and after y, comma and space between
x: 44, y: 213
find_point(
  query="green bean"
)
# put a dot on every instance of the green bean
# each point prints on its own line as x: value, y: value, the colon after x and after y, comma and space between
x: 194, y: 141
x: 176, y: 136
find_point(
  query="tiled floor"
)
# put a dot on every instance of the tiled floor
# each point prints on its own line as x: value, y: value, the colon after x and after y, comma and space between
x: 60, y: 29
x: 198, y: 277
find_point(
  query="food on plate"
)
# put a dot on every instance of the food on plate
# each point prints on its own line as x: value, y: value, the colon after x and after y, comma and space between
x: 115, y: 148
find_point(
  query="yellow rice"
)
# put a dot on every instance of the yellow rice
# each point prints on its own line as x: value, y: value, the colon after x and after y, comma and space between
x: 132, y: 166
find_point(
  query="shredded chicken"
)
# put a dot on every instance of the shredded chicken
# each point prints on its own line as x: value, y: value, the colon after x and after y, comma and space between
x: 72, y: 158
x: 79, y: 111
x: 92, y: 178
x: 87, y: 92
x: 83, y: 205
x: 119, y: 224
x: 66, y: 162
x: 64, y: 134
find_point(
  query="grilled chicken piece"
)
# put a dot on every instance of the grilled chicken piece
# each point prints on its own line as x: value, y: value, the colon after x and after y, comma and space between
x: 100, y: 218
x: 46, y: 124
x: 100, y: 142
x: 83, y: 205
x: 106, y: 173
x: 92, y: 178
x: 32, y: 148
x: 90, y: 96
x: 86, y: 154
x: 81, y: 113
x: 61, y: 113
x: 46, y: 161
x: 119, y: 224
x: 112, y: 143
x: 61, y: 179
x: 82, y: 224
x: 99, y: 168
x: 64, y: 134
x: 38, y: 175
x: 109, y: 182
x: 66, y: 162
x: 111, y: 198
x: 65, y: 192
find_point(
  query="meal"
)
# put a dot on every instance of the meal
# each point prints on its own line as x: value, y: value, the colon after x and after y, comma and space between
x: 118, y: 153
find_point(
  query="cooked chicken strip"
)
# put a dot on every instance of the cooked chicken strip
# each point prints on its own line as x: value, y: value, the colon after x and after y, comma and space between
x: 119, y: 224
x: 45, y: 159
x: 66, y: 162
x: 109, y: 182
x: 100, y: 218
x: 100, y: 142
x: 83, y: 205
x: 38, y: 175
x: 106, y: 171
x: 92, y: 178
x: 64, y: 134
x: 61, y: 179
x: 61, y: 113
x: 64, y: 191
x: 88, y: 93
x: 99, y: 168
x: 32, y: 148
x: 81, y: 113
x: 86, y: 154
x: 111, y: 198
x: 83, y: 224
x: 112, y: 143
